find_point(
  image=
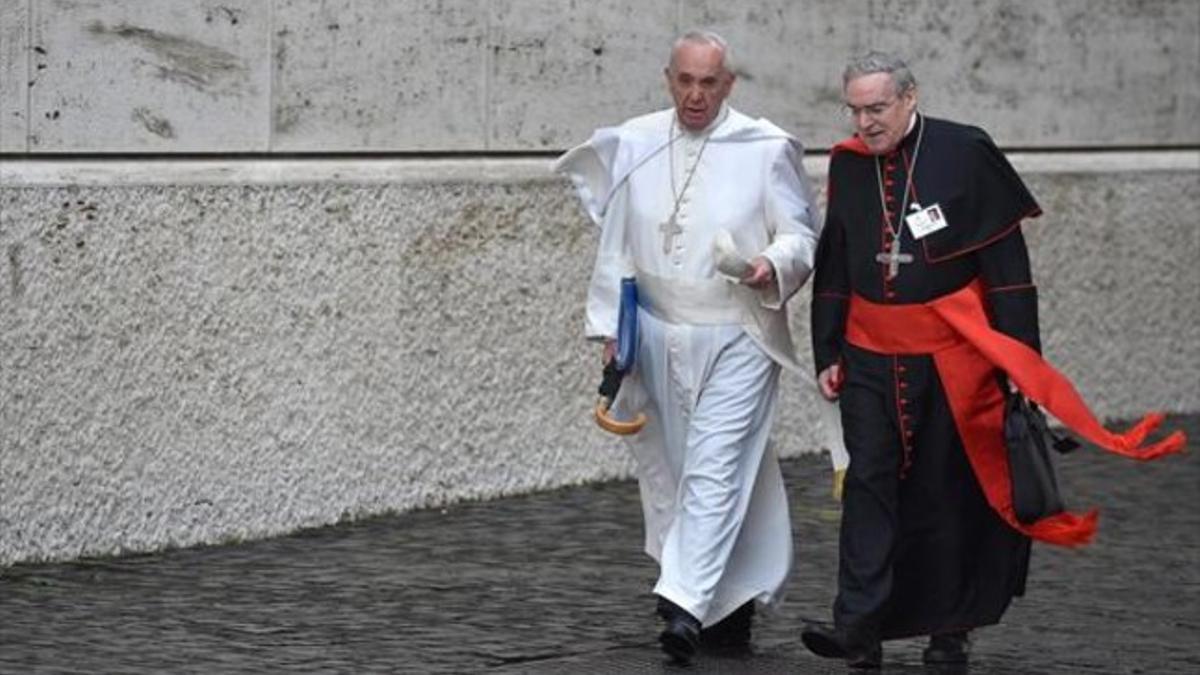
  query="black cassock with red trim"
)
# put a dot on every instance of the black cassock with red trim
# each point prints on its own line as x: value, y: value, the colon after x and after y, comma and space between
x: 930, y: 542
x: 922, y: 552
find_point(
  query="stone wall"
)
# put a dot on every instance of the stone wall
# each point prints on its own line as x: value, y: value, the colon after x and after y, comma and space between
x: 518, y: 75
x: 275, y: 345
x: 240, y: 295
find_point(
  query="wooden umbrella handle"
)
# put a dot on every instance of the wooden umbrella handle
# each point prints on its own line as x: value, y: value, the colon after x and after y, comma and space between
x: 617, y: 426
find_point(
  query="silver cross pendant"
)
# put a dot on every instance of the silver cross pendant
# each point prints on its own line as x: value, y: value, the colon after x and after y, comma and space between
x: 893, y: 258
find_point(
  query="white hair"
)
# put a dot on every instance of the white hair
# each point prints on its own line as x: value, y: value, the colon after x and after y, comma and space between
x: 702, y: 37
x: 880, y: 62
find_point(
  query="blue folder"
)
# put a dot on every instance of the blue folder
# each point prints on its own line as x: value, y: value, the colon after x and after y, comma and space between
x: 627, y: 325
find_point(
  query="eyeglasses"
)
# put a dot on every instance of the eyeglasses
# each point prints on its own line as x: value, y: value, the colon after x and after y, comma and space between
x: 873, y: 111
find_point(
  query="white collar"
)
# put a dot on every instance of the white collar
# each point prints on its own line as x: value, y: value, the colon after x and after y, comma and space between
x: 912, y: 122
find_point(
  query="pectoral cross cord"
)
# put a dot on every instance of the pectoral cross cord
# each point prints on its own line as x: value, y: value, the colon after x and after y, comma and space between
x: 893, y: 258
x: 670, y: 227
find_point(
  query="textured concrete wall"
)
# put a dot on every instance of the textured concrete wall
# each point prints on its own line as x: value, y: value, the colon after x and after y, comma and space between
x: 204, y: 350
x: 272, y: 346
x: 498, y: 75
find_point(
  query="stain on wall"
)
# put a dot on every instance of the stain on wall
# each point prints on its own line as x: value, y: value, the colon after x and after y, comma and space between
x: 159, y: 126
x: 126, y: 76
x: 179, y: 58
x: 16, y: 281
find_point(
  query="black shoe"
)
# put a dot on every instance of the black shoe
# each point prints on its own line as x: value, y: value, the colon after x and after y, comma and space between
x: 680, y: 638
x: 835, y: 643
x: 682, y: 634
x: 948, y: 648
x: 731, y: 634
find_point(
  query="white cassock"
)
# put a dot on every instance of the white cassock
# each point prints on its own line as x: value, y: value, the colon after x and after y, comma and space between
x: 711, y: 350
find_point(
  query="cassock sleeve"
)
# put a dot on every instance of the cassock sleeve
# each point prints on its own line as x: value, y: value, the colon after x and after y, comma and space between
x: 831, y: 291
x: 791, y: 215
x: 1011, y: 296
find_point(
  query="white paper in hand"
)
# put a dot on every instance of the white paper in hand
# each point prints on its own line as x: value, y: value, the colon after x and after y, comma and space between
x: 729, y: 262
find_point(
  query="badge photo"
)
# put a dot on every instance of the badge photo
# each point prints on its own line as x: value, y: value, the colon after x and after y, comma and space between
x: 926, y: 221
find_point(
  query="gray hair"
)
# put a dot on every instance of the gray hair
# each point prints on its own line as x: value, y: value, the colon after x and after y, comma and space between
x: 880, y: 62
x: 703, y: 37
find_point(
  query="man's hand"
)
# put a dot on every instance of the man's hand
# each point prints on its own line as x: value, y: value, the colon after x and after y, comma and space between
x: 761, y: 273
x: 610, y: 351
x: 829, y: 382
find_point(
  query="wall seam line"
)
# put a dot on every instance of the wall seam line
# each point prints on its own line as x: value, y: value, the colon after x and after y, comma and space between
x: 487, y: 77
x: 28, y: 75
x: 271, y: 63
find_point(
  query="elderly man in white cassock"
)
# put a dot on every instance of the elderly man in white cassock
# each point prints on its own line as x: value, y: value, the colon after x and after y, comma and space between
x: 712, y: 213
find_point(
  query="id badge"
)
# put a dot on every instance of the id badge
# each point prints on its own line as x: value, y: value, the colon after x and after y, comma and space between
x: 926, y: 221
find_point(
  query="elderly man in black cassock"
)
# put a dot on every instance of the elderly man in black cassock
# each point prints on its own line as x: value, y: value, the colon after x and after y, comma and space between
x: 924, y: 313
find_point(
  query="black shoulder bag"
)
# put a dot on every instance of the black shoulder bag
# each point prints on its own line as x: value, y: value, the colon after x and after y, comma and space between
x: 1028, y: 438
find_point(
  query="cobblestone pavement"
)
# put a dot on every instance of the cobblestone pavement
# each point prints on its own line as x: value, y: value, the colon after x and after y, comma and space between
x: 555, y: 583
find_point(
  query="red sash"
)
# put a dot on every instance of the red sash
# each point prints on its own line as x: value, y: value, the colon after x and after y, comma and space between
x: 966, y: 351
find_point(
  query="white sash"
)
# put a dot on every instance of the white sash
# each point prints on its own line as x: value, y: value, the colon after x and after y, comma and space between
x: 697, y: 302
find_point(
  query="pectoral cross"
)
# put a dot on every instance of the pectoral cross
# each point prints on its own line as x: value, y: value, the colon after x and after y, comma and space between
x: 893, y: 258
x: 669, y: 229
